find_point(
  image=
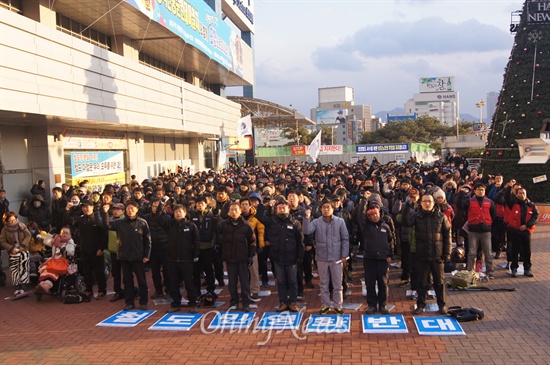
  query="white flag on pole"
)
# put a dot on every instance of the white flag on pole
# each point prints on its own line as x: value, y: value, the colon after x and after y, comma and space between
x: 244, y: 126
x: 314, y: 147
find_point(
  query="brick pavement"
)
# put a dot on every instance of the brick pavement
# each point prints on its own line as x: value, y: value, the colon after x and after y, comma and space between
x: 516, y: 329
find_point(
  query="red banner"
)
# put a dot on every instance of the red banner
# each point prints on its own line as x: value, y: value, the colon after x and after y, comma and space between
x: 298, y: 150
x: 544, y: 213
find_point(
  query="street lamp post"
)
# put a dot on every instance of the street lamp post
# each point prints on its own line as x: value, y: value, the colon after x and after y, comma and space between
x: 480, y: 105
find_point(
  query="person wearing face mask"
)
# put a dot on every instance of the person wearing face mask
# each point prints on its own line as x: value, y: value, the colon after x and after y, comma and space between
x: 286, y: 252
x: 37, y: 211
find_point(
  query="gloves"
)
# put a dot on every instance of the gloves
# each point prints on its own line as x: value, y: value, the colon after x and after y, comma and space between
x: 250, y: 261
x: 196, y: 259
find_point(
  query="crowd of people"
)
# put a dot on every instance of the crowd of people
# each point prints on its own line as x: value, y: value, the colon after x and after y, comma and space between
x: 292, y: 218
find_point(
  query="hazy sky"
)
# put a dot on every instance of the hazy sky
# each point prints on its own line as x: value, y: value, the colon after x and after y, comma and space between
x: 380, y: 48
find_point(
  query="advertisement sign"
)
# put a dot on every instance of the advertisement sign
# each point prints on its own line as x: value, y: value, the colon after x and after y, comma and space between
x: 331, y: 150
x: 337, y: 116
x: 197, y: 24
x: 382, y: 148
x: 239, y: 144
x: 544, y: 213
x: 538, y: 12
x: 436, y: 84
x: 96, y: 163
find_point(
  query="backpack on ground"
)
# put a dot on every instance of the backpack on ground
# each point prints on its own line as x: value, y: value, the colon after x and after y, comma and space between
x: 465, y: 279
x: 466, y: 314
x: 72, y: 299
x: 207, y: 300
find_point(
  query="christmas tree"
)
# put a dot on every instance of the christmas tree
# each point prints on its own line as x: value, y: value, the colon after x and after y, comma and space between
x: 523, y: 103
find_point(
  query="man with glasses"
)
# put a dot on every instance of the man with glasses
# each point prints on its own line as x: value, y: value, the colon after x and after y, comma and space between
x: 431, y: 240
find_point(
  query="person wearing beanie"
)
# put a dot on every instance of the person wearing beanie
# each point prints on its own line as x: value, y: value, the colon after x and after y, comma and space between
x: 444, y: 207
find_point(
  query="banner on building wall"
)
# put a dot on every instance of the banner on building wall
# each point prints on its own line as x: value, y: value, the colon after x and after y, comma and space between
x: 197, y: 24
x: 96, y: 163
x: 331, y: 150
x: 337, y: 116
x: 76, y: 139
x: 544, y: 213
x: 97, y: 183
x: 382, y: 148
x: 436, y: 84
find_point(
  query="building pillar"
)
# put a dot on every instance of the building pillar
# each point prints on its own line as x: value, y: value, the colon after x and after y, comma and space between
x: 196, y: 153
x: 125, y: 47
x: 39, y: 11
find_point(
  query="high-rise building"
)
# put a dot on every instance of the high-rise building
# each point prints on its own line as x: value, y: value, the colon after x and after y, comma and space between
x: 437, y: 98
x: 102, y: 90
x: 490, y: 107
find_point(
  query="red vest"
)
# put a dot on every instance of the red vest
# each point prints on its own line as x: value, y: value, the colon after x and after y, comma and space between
x: 477, y: 214
x: 514, y: 218
x: 506, y: 213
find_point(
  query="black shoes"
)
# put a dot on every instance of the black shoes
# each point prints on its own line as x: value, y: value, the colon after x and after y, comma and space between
x: 442, y: 310
x: 528, y: 273
x: 116, y: 297
x: 418, y: 310
x: 129, y: 307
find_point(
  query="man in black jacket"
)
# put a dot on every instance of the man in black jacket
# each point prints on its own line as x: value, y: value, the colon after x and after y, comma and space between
x: 134, y: 251
x: 183, y: 250
x: 286, y: 251
x: 92, y: 242
x: 431, y: 240
x: 377, y: 243
x: 238, y: 247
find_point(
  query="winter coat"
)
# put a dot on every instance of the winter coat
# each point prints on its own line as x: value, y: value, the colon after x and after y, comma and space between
x: 134, y: 235
x: 331, y: 238
x: 206, y: 225
x: 41, y: 215
x: 183, y: 240
x: 92, y: 235
x: 431, y: 236
x: 377, y: 240
x: 7, y: 240
x: 237, y: 241
x: 285, y: 238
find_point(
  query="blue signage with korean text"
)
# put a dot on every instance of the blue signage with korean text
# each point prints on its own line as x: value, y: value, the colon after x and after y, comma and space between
x: 329, y: 324
x: 176, y: 322
x: 197, y: 24
x: 438, y: 326
x: 232, y: 320
x: 280, y: 321
x: 126, y: 318
x: 394, y: 323
x: 382, y: 148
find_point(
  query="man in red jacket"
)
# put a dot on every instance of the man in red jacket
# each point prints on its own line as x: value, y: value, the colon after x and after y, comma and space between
x: 521, y: 223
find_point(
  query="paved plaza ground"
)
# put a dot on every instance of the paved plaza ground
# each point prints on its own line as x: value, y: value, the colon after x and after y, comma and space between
x: 516, y: 330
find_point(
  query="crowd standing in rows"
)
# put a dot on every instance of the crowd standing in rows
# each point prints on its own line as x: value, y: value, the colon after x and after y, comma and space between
x: 292, y: 217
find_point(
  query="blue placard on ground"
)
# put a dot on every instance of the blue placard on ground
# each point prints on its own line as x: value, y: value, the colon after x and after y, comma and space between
x: 126, y: 318
x: 280, y: 321
x: 394, y: 323
x: 318, y: 323
x: 176, y: 322
x: 232, y: 320
x: 438, y: 326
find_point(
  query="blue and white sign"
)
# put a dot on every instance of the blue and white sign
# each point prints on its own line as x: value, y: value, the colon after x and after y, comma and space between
x: 394, y: 323
x: 232, y: 320
x: 176, y: 322
x: 329, y: 324
x: 96, y: 163
x: 382, y: 148
x: 438, y: 326
x: 280, y: 321
x: 126, y: 318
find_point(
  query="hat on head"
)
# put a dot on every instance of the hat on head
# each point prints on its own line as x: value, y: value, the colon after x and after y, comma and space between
x: 467, y: 186
x: 256, y: 196
x: 414, y: 191
x: 87, y: 202
x: 438, y: 194
x: 118, y: 206
x: 281, y: 201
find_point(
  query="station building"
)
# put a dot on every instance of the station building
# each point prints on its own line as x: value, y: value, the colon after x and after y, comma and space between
x: 100, y: 90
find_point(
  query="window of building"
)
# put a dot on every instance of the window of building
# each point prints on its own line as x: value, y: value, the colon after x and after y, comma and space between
x: 12, y: 5
x: 421, y: 103
x: 81, y: 31
x: 157, y: 64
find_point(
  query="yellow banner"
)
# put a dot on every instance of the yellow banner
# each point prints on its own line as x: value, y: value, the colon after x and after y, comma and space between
x: 97, y: 183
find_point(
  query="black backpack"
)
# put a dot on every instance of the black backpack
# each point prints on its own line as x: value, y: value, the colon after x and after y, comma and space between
x: 207, y: 300
x: 466, y: 314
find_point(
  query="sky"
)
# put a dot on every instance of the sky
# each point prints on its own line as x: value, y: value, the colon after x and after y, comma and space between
x: 380, y: 48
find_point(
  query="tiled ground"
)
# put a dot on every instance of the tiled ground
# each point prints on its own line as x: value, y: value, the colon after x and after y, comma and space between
x: 516, y: 330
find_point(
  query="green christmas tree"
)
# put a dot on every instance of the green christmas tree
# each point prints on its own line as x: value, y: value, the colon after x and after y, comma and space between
x: 524, y: 102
